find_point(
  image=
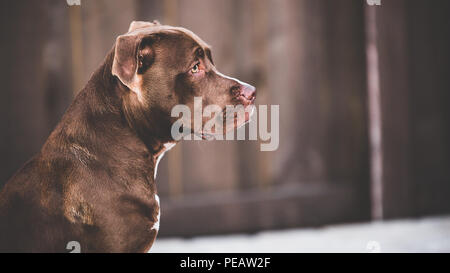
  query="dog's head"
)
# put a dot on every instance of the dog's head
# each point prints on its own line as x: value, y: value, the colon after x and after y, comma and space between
x: 165, y: 66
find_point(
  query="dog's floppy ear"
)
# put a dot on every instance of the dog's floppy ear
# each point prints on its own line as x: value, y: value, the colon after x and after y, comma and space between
x: 141, y: 24
x: 133, y: 56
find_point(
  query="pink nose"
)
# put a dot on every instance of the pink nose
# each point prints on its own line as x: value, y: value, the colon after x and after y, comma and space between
x: 248, y: 92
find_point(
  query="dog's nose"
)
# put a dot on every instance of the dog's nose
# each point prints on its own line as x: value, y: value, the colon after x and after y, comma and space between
x: 248, y: 92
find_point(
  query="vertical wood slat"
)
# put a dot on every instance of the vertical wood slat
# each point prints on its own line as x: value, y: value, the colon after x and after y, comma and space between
x: 76, y: 33
x: 374, y: 108
x: 429, y: 61
x: 170, y: 12
x: 261, y: 62
x: 318, y: 76
x: 174, y: 157
x: 394, y: 78
x: 102, y: 22
x: 414, y: 63
x: 251, y: 51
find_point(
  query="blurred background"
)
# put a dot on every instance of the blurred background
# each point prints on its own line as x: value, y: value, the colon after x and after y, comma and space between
x: 364, y: 95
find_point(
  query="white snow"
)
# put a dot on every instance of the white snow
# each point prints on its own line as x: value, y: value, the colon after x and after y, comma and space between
x: 418, y: 235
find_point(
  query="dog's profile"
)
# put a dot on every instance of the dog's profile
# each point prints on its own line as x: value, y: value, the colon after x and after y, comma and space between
x: 93, y: 180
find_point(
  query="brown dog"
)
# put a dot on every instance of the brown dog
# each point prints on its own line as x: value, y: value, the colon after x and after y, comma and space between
x: 93, y: 180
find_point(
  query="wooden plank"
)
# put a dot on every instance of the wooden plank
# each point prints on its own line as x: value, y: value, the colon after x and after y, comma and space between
x: 76, y: 34
x: 287, y: 206
x: 395, y: 97
x: 429, y: 62
x: 103, y: 21
x: 412, y: 44
x: 374, y: 109
x: 251, y: 51
x: 174, y: 160
x: 317, y: 56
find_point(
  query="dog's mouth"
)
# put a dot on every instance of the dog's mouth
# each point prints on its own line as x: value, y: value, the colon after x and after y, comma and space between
x: 230, y: 121
x: 249, y: 111
x: 246, y: 101
x: 232, y: 116
x: 233, y: 120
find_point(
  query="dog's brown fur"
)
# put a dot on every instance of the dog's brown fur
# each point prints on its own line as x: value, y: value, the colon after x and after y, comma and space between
x: 93, y: 180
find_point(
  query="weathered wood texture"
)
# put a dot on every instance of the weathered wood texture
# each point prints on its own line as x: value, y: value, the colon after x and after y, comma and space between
x: 414, y: 61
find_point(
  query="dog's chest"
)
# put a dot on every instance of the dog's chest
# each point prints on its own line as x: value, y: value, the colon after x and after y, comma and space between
x: 156, y: 224
x: 167, y: 147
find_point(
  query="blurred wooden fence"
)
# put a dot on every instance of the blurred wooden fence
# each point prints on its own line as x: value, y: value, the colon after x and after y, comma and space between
x: 307, y: 56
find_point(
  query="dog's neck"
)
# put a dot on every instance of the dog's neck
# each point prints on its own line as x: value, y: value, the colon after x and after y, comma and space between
x: 149, y: 123
x: 103, y: 118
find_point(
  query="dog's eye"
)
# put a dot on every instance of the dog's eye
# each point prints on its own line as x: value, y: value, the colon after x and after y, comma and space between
x: 195, y: 69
